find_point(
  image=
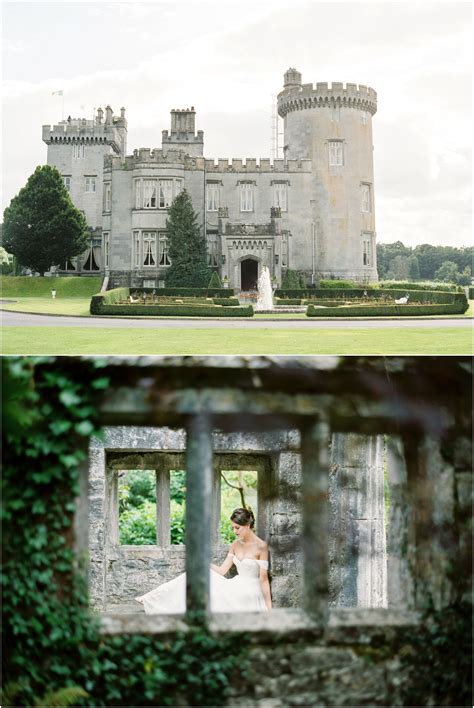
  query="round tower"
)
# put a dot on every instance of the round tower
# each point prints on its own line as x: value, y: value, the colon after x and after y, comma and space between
x: 331, y: 124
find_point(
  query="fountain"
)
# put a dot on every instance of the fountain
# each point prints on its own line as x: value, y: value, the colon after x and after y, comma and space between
x: 265, y: 293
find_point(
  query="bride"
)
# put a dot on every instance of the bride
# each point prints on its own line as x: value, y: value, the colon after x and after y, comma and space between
x: 248, y: 591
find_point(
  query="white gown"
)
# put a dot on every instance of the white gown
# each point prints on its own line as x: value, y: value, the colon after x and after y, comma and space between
x: 243, y: 593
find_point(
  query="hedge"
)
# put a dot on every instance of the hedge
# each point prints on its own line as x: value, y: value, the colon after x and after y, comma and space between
x: 384, y: 310
x: 400, y: 284
x: 287, y: 301
x: 186, y: 292
x: 226, y: 301
x: 445, y: 298
x: 342, y: 284
x: 177, y: 310
x: 471, y: 293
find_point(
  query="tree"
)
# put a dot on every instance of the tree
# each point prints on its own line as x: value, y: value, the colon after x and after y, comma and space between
x: 413, y: 268
x: 448, y: 272
x: 187, y: 246
x: 42, y: 227
x: 291, y: 280
x: 215, y: 281
x: 399, y: 268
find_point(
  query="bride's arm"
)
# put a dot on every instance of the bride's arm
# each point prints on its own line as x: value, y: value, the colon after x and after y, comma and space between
x: 264, y: 581
x: 226, y: 565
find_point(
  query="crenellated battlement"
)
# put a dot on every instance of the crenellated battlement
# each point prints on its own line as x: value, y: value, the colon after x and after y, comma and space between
x: 89, y: 132
x: 251, y: 164
x: 297, y: 97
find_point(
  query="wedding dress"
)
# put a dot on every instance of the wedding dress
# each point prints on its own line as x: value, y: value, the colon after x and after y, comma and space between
x: 243, y: 593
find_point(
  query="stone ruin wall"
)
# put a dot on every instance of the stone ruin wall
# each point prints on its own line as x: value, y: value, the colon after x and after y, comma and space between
x: 357, y: 542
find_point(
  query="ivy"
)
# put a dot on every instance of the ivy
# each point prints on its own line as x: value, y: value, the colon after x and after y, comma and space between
x: 52, y: 642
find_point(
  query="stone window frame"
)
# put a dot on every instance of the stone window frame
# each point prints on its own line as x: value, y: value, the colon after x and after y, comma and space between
x: 78, y: 151
x: 150, y: 193
x: 213, y: 188
x: 161, y: 200
x: 107, y: 196
x: 367, y: 249
x: 336, y: 153
x: 163, y: 462
x: 106, y: 248
x: 212, y: 244
x: 163, y: 250
x: 90, y: 184
x: 149, y: 251
x: 366, y: 197
x: 276, y: 187
x: 246, y: 195
x: 137, y: 397
x: 67, y: 182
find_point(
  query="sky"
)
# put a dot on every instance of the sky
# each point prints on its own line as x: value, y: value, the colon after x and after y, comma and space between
x: 227, y: 59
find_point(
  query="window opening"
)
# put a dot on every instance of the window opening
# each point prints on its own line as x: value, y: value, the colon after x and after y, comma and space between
x: 137, y: 507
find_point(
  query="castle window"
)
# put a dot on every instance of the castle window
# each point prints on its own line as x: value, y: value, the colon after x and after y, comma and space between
x: 336, y: 153
x: 367, y: 250
x: 137, y: 194
x: 280, y: 195
x: 78, y: 150
x: 213, y: 197
x: 212, y: 249
x: 366, y: 205
x: 166, y: 193
x: 90, y: 184
x: 67, y: 182
x: 163, y: 245
x: 149, y: 194
x: 284, y: 250
x: 149, y: 249
x: 106, y: 248
x: 136, y: 249
x: 107, y: 196
x: 246, y: 196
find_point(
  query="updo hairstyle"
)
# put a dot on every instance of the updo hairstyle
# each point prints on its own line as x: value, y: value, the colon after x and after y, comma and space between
x: 243, y: 517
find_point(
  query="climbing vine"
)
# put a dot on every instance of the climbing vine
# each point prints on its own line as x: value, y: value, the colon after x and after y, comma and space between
x: 51, y: 639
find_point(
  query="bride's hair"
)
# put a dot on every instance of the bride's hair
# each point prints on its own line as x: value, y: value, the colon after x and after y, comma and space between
x: 243, y: 517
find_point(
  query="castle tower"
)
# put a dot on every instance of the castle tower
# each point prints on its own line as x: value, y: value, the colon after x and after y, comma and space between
x: 332, y: 126
x: 182, y: 135
x: 77, y: 147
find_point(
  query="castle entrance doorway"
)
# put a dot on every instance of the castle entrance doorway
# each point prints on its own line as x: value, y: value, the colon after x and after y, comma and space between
x: 248, y: 274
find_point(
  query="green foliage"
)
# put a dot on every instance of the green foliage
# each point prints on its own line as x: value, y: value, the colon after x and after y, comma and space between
x: 137, y: 524
x: 287, y: 301
x: 338, y: 284
x: 215, y: 281
x: 291, y: 280
x: 177, y: 523
x: 54, y: 699
x: 65, y: 286
x: 471, y: 293
x: 187, y: 246
x: 176, y: 310
x: 407, y: 285
x: 449, y: 272
x: 394, y: 260
x: 42, y: 227
x: 178, y: 486
x: 407, y: 310
x: 226, y: 301
x: 54, y: 646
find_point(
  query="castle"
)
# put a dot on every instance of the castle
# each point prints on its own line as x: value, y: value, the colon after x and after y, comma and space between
x: 312, y: 211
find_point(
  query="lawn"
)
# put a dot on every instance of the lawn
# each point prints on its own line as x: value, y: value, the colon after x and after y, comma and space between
x: 21, y: 286
x: 77, y: 340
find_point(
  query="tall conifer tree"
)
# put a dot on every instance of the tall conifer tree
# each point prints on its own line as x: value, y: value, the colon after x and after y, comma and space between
x: 42, y: 227
x: 187, y: 246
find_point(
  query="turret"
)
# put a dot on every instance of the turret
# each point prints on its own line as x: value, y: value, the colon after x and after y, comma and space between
x: 182, y: 135
x: 331, y: 124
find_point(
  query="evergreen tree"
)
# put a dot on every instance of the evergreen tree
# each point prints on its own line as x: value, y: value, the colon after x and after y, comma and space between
x: 215, y: 281
x: 413, y: 268
x: 187, y: 246
x: 291, y: 280
x: 42, y: 227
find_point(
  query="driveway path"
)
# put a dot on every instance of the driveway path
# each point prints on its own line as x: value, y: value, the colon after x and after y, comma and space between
x: 19, y: 319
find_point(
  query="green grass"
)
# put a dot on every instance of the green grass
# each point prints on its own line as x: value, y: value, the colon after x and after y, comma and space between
x: 22, y: 286
x: 77, y: 340
x: 47, y: 306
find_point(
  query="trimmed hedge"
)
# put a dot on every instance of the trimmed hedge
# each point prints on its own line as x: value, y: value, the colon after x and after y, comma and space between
x: 416, y: 296
x: 471, y: 293
x: 186, y: 292
x: 226, y: 301
x: 330, y: 284
x: 384, y: 310
x: 395, y: 285
x: 108, y: 298
x: 287, y: 301
x: 177, y: 310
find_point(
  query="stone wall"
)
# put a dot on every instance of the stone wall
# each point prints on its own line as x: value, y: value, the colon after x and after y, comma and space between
x: 118, y: 573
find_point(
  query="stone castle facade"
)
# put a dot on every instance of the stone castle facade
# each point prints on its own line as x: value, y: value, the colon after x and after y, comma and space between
x: 312, y: 211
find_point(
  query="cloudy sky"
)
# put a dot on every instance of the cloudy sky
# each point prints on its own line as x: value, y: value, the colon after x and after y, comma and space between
x: 227, y: 59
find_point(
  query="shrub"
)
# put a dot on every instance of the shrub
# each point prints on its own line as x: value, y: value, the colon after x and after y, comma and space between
x: 291, y: 279
x: 389, y: 297
x: 226, y: 301
x: 408, y: 285
x: 287, y: 301
x: 385, y: 310
x: 215, y: 281
x: 184, y: 310
x: 471, y: 293
x: 342, y: 284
